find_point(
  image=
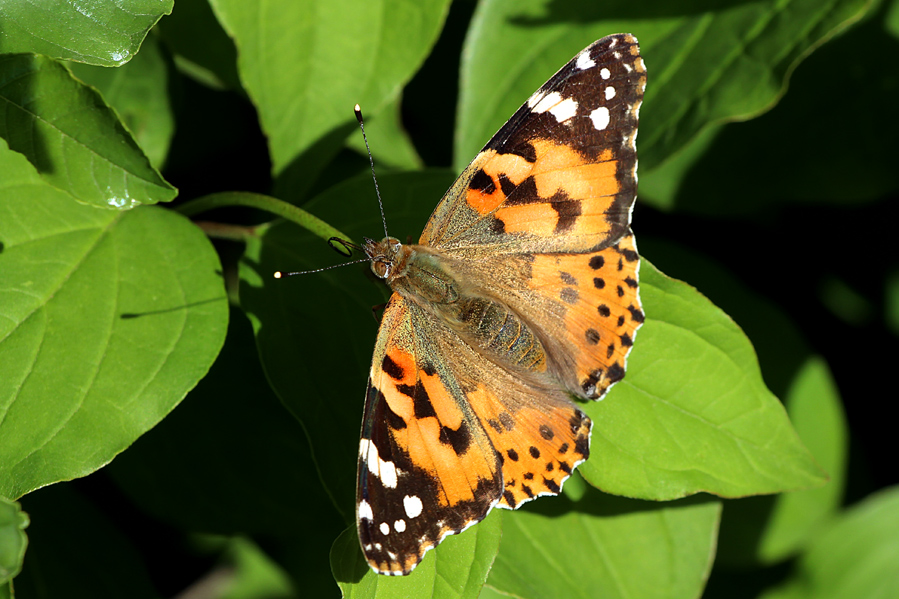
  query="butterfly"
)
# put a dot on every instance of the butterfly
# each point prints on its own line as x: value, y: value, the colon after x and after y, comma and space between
x: 520, y: 295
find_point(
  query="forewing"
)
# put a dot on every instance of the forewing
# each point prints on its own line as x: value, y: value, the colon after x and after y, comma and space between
x: 560, y: 176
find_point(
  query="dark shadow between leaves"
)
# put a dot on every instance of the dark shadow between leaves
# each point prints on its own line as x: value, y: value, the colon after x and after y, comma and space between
x: 25, y: 69
x: 597, y: 503
x: 130, y: 315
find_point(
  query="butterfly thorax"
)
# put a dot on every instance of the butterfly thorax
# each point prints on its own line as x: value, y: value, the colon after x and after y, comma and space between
x: 425, y: 276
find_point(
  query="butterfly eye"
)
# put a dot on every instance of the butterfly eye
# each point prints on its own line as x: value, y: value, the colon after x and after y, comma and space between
x: 381, y: 268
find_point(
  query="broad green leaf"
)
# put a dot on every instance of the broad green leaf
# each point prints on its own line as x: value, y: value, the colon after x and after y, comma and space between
x: 139, y: 92
x: 13, y: 541
x: 306, y: 63
x: 457, y: 568
x: 758, y: 530
x: 693, y: 413
x: 855, y: 557
x: 73, y: 138
x: 715, y: 174
x: 108, y: 319
x: 315, y: 333
x: 705, y: 64
x: 604, y: 546
x: 93, y: 31
x: 76, y: 551
x: 267, y: 488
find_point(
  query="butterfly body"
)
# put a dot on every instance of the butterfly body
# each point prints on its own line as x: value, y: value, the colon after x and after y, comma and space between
x: 521, y: 294
x: 426, y: 276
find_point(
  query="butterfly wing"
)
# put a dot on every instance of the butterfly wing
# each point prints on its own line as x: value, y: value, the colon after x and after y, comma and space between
x: 545, y: 209
x: 560, y: 175
x: 426, y: 466
x: 444, y: 440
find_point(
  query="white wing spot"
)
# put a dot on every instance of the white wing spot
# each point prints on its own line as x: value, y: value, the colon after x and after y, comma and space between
x: 605, y: 73
x: 385, y: 471
x: 413, y: 505
x: 610, y: 92
x: 547, y: 102
x: 600, y: 118
x: 385, y: 528
x: 627, y: 67
x: 584, y: 61
x: 564, y: 110
x: 365, y: 510
x: 535, y: 98
x: 399, y: 526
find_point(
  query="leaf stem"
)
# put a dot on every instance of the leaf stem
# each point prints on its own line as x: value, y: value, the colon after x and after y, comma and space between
x: 278, y: 207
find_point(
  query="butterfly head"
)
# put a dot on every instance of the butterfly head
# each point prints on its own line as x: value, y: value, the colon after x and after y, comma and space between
x: 385, y: 256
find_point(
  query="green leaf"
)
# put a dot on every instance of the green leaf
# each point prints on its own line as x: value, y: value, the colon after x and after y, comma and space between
x: 139, y: 92
x: 305, y: 64
x: 705, y: 65
x: 78, y: 552
x: 693, y: 413
x: 92, y: 31
x: 759, y: 530
x: 457, y: 568
x: 73, y: 138
x: 855, y: 557
x: 109, y: 318
x: 13, y: 541
x: 267, y: 488
x: 723, y: 159
x: 604, y: 546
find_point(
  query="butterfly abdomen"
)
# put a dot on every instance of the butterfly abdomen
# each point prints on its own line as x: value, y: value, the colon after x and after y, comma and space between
x: 498, y: 331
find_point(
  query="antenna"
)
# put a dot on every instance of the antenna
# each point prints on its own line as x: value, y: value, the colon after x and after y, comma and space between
x: 348, y: 246
x: 280, y: 275
x: 371, y: 161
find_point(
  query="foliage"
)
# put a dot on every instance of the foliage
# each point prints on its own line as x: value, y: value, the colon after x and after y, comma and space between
x: 120, y: 124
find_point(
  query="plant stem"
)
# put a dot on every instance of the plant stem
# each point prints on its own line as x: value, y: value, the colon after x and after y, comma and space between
x: 262, y: 202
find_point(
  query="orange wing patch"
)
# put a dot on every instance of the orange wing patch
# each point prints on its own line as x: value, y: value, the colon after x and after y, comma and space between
x: 602, y: 310
x: 437, y: 436
x: 539, y: 447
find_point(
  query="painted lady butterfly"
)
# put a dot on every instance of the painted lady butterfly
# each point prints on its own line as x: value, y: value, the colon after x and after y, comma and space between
x: 521, y: 293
